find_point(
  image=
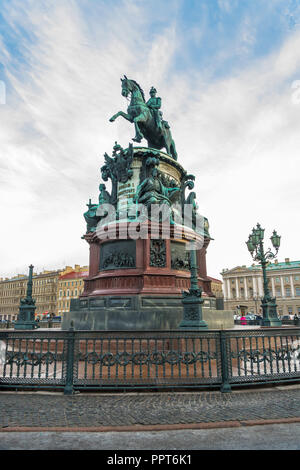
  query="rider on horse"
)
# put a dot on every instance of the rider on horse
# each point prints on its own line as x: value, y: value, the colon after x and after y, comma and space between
x: 155, y: 104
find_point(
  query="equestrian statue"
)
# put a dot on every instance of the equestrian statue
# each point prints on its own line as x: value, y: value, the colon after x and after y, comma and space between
x: 147, y: 117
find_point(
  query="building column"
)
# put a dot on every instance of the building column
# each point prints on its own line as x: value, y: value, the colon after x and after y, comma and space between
x: 237, y: 288
x: 260, y: 287
x: 273, y: 286
x: 282, y: 287
x: 255, y: 291
x: 224, y: 288
x: 246, y: 288
x: 228, y: 288
x: 292, y: 286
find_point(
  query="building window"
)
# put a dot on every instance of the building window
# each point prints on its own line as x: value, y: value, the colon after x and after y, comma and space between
x: 290, y: 310
x: 278, y: 292
x: 287, y: 279
x: 288, y: 292
x: 297, y: 290
x: 296, y: 278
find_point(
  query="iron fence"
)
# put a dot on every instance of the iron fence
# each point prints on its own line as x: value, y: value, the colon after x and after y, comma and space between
x: 98, y: 360
x: 6, y: 325
x: 295, y: 322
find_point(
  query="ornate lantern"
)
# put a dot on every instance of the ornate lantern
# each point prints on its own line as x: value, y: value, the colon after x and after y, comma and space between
x: 260, y: 232
x: 250, y: 245
x: 275, y: 239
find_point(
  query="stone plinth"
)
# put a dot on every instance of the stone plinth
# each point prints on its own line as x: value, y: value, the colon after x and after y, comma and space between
x: 137, y: 313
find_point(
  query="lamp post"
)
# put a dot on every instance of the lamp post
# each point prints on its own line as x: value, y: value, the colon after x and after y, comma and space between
x: 255, y: 246
x: 256, y: 298
x: 192, y: 299
x: 27, y: 308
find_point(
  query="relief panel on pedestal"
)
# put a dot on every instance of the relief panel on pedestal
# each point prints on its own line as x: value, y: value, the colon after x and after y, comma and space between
x: 119, y: 254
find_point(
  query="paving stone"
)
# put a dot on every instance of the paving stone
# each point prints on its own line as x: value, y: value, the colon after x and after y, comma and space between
x: 35, y: 409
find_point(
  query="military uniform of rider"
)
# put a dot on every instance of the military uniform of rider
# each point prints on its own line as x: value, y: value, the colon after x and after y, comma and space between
x: 155, y: 104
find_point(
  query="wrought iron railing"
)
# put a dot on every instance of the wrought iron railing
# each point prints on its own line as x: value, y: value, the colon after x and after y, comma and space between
x: 99, y: 360
x: 6, y: 325
x: 295, y: 322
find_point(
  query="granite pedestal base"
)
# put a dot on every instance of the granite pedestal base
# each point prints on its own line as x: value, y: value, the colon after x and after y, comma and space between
x: 138, y: 313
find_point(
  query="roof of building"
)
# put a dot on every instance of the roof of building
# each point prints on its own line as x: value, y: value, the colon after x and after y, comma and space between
x: 74, y: 275
x: 214, y: 279
x: 282, y: 265
x: 287, y: 264
x: 14, y: 279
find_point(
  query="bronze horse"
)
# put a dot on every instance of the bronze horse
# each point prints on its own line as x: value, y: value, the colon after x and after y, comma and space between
x: 144, y: 121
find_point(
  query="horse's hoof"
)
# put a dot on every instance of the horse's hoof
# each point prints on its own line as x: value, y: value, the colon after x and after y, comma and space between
x: 137, y: 139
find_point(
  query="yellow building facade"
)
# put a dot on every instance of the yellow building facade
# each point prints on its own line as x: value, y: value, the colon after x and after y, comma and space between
x: 52, y: 291
x: 216, y: 287
x: 70, y: 286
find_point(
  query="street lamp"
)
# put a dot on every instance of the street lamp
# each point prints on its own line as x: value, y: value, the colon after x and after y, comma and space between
x: 27, y: 308
x: 255, y: 246
x: 256, y: 298
x: 192, y: 299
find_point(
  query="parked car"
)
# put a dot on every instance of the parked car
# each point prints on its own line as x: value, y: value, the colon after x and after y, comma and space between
x: 250, y: 317
x: 287, y: 317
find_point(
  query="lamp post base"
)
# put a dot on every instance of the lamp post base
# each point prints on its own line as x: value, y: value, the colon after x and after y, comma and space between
x: 26, y: 325
x: 26, y: 319
x: 192, y: 311
x: 270, y: 317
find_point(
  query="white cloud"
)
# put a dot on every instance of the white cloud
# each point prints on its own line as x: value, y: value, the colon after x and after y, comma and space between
x: 239, y: 135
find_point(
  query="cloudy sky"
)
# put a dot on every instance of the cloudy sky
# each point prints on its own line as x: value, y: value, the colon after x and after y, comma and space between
x: 228, y: 72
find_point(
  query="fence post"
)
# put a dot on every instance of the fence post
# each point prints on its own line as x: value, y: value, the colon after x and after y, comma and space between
x: 68, y: 390
x: 225, y: 387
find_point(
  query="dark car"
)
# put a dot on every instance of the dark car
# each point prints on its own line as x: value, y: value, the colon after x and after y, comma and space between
x: 286, y: 317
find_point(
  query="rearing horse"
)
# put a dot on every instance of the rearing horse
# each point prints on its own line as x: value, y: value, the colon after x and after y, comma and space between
x: 144, y: 121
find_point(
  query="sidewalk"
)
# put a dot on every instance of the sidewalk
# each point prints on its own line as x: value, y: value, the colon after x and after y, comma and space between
x: 266, y: 437
x: 42, y: 411
x: 259, y: 419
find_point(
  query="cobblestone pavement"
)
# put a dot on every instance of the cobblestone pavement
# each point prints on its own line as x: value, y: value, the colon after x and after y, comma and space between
x: 37, y: 409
